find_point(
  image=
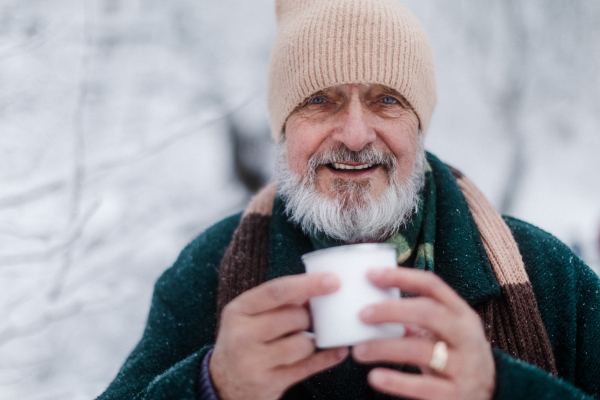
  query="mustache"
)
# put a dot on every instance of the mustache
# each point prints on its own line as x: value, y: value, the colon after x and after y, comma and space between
x: 341, y: 154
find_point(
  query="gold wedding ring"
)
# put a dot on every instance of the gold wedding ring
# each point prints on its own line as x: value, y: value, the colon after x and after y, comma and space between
x: 439, y: 356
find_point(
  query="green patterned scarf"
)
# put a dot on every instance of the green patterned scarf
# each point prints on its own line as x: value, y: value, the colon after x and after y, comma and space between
x: 512, y: 320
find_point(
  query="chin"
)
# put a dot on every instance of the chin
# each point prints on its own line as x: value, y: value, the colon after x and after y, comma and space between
x: 351, y: 192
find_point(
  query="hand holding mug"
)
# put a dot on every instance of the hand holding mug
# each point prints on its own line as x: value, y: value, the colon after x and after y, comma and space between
x: 261, y: 349
x: 456, y: 347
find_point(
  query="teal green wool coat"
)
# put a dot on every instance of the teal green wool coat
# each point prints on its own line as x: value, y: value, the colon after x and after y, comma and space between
x: 181, y: 326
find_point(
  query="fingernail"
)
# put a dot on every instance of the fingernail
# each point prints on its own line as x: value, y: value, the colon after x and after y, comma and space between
x: 379, y: 377
x: 367, y: 313
x: 376, y: 272
x: 342, y: 352
x: 330, y: 281
x: 359, y: 349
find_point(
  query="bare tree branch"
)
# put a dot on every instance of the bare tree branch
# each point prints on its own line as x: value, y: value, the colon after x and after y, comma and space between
x: 80, y: 111
x: 32, y: 43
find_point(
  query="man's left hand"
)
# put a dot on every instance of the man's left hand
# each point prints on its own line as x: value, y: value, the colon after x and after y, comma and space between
x: 469, y: 372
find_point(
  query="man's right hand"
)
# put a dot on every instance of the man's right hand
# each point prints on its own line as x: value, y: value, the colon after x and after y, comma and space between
x: 260, y: 350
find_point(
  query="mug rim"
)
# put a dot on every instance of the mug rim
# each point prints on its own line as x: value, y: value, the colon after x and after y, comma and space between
x: 349, y: 247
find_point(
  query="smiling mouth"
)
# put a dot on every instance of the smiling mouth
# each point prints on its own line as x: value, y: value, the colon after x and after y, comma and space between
x: 350, y: 168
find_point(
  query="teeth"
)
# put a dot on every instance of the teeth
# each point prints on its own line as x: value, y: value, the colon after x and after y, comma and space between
x: 344, y: 166
x: 363, y: 166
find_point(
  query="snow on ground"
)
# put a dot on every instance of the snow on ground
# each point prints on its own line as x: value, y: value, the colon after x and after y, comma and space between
x: 114, y: 155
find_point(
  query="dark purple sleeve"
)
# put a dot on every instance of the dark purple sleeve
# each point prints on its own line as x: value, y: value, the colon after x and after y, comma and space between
x: 206, y: 390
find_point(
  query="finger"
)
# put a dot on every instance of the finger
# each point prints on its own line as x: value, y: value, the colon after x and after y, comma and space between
x: 291, y: 349
x: 312, y: 364
x: 412, y: 330
x: 425, y: 313
x: 293, y: 289
x: 282, y: 321
x: 413, y: 351
x: 421, y: 283
x: 422, y: 387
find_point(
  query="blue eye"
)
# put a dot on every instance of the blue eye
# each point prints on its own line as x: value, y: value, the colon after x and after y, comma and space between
x: 388, y: 100
x: 317, y: 100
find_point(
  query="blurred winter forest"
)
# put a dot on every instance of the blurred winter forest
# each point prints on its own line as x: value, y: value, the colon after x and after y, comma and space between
x: 129, y: 126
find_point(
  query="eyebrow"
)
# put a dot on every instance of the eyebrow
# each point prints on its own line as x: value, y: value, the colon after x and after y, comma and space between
x: 305, y: 102
x: 319, y: 93
x: 395, y: 93
x: 386, y: 91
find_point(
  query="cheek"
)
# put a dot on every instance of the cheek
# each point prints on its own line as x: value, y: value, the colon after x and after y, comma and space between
x: 406, y: 156
x: 293, y: 156
x: 301, y: 144
x: 404, y: 145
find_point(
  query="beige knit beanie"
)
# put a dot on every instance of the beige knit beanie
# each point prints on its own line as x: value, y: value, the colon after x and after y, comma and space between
x: 322, y: 43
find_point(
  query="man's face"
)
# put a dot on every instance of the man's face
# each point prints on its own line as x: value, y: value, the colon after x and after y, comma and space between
x: 353, y: 117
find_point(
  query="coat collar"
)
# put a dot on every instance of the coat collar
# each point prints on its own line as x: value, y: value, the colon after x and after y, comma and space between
x: 460, y: 257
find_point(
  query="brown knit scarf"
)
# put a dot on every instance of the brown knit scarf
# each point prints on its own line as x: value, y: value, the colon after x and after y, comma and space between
x: 512, y: 321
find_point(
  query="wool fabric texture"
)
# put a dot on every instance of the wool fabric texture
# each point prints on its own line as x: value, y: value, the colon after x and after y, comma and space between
x: 166, y: 363
x: 323, y: 43
x: 512, y: 321
x: 415, y: 242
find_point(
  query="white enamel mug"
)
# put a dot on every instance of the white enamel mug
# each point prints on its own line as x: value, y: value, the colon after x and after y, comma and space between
x: 335, y: 316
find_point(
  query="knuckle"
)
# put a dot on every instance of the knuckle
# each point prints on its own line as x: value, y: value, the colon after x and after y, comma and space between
x: 276, y: 290
x: 231, y: 309
x: 227, y: 310
x: 474, y: 319
x: 308, y: 366
x: 468, y: 314
x: 301, y: 347
x: 307, y: 346
x: 300, y: 318
x: 237, y: 336
x: 472, y: 330
x: 430, y: 311
x: 434, y: 281
x: 416, y: 352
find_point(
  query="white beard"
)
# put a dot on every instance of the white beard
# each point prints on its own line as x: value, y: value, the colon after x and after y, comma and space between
x: 353, y: 216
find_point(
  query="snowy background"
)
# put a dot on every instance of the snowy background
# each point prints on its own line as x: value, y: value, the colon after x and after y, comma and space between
x: 129, y: 126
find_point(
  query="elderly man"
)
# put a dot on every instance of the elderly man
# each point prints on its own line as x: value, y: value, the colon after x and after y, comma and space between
x: 500, y: 309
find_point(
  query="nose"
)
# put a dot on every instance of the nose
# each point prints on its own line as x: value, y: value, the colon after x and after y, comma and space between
x: 354, y: 129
